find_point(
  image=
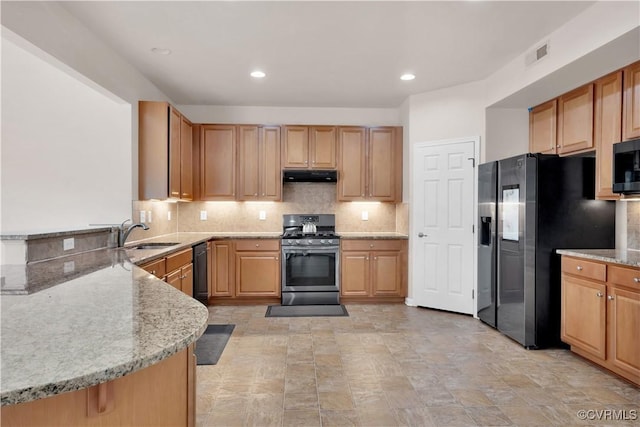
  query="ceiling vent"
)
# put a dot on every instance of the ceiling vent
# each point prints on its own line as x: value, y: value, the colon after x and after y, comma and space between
x: 537, y: 54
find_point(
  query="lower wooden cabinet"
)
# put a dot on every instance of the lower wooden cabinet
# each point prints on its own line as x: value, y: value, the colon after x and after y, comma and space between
x: 373, y: 270
x: 175, y: 269
x: 160, y: 395
x: 245, y: 270
x: 601, y: 314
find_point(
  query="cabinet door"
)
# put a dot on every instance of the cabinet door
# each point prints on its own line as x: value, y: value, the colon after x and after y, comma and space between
x: 218, y: 162
x: 351, y: 163
x: 542, y: 128
x: 382, y: 164
x: 258, y: 274
x: 322, y: 147
x: 386, y: 274
x: 631, y: 101
x: 583, y: 311
x: 186, y: 279
x: 186, y: 159
x: 222, y: 276
x: 248, y: 163
x: 575, y: 120
x: 270, y: 172
x: 354, y: 277
x: 157, y: 268
x: 175, y: 123
x: 175, y: 279
x: 607, y: 131
x: 624, y: 330
x: 295, y: 147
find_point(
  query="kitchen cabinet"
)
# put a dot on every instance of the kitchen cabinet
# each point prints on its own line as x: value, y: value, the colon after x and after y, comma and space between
x: 245, y: 271
x: 575, y: 121
x: 159, y: 395
x: 607, y: 131
x: 176, y: 269
x: 165, y: 147
x: 308, y: 147
x: 370, y: 164
x: 373, y: 270
x: 542, y: 128
x: 631, y: 102
x: 259, y: 172
x: 600, y: 314
x: 217, y: 162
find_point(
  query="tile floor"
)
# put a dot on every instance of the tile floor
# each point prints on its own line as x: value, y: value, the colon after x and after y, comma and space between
x: 393, y: 365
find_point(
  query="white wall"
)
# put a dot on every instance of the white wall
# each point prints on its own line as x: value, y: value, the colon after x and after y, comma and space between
x: 65, y: 148
x: 292, y: 115
x: 507, y: 133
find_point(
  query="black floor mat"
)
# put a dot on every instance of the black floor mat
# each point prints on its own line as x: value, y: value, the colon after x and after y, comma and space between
x: 306, y: 310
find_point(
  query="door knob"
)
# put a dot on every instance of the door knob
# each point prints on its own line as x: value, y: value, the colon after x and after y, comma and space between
x: 421, y: 234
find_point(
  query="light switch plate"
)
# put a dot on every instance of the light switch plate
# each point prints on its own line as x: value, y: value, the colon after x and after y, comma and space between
x: 203, y: 215
x: 168, y: 215
x: 148, y: 216
x: 143, y: 216
x: 68, y: 244
x: 262, y: 215
x: 365, y: 215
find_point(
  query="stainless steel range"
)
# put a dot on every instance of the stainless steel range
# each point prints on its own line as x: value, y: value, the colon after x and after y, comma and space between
x: 310, y: 260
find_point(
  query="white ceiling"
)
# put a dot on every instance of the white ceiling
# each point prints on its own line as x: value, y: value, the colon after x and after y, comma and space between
x: 320, y: 54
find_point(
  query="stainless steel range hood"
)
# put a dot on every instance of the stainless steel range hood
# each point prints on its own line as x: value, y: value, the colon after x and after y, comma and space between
x: 310, y: 176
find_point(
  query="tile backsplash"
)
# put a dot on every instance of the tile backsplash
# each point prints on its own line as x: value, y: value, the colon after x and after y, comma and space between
x: 633, y: 225
x: 244, y: 216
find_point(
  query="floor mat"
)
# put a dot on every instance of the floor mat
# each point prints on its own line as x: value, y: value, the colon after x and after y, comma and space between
x: 210, y: 345
x: 306, y: 310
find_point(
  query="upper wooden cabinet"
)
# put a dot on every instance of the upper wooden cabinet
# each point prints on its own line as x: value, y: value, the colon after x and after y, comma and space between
x: 606, y: 131
x: 259, y: 172
x: 542, y: 128
x: 631, y: 118
x: 575, y: 121
x: 370, y: 164
x: 308, y: 147
x: 164, y: 152
x: 217, y: 162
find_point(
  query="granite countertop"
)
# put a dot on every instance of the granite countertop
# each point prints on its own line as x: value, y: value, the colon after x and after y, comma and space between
x: 617, y: 256
x: 373, y: 235
x: 45, y: 234
x: 111, y: 320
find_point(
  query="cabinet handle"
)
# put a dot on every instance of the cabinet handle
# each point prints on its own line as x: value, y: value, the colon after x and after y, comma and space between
x: 579, y: 268
x: 599, y: 295
x: 636, y: 279
x: 610, y: 298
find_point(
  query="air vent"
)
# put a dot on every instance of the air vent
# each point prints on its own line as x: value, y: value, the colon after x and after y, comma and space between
x: 537, y: 54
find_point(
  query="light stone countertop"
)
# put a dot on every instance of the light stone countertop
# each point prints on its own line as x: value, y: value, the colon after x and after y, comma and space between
x: 373, y: 235
x: 109, y: 321
x: 626, y: 257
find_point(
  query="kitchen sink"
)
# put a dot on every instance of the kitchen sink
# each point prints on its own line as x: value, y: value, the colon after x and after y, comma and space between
x: 155, y: 245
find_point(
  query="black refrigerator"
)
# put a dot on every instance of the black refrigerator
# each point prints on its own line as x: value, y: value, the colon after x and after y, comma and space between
x: 529, y: 206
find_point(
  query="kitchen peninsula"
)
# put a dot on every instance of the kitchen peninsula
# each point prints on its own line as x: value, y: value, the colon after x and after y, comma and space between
x: 110, y: 345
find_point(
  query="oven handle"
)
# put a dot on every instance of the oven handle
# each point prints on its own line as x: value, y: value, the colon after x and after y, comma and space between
x: 311, y: 250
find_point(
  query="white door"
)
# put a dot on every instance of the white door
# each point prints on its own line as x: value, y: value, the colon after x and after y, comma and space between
x: 442, y: 232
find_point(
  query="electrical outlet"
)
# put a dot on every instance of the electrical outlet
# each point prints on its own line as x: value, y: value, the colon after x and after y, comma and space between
x: 148, y: 216
x: 143, y: 216
x: 68, y: 244
x: 203, y: 215
x: 365, y: 215
x: 262, y: 215
x: 69, y: 267
x: 168, y: 215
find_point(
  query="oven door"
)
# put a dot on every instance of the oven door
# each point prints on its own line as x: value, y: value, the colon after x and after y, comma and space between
x: 310, y: 269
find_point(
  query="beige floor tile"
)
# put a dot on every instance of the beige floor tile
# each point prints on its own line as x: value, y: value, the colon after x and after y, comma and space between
x: 377, y: 417
x: 488, y: 416
x: 263, y: 419
x: 345, y: 418
x: 301, y: 400
x: 526, y: 415
x: 469, y: 397
x: 298, y: 418
x: 333, y: 400
x: 413, y: 417
x: 454, y: 416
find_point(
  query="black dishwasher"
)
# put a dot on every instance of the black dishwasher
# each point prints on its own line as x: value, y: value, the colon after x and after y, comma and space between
x: 200, y: 282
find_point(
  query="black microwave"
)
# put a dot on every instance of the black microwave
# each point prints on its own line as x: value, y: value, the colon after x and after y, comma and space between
x: 626, y: 167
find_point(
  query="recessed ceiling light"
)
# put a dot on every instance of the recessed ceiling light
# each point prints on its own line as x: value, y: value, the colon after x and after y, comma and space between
x: 407, y: 76
x: 258, y: 74
x: 161, y: 51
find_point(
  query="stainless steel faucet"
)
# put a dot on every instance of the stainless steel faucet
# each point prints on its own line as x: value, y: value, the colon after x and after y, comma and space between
x: 122, y: 234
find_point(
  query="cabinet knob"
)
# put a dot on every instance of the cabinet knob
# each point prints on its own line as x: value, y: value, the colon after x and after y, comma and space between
x: 375, y: 257
x: 610, y: 298
x: 153, y: 272
x: 362, y: 194
x: 599, y: 295
x: 579, y: 268
x: 366, y: 258
x: 263, y: 194
x: 183, y: 277
x: 371, y: 245
x: 276, y: 258
x: 305, y: 162
x: 636, y: 279
x: 257, y: 245
x: 255, y: 194
x: 313, y: 161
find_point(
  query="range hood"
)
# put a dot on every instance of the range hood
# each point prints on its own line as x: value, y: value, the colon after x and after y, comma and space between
x: 310, y: 176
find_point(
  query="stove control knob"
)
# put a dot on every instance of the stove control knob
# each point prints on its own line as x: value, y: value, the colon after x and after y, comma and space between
x: 290, y: 242
x: 310, y: 241
x: 297, y: 242
x: 323, y: 241
x: 329, y: 241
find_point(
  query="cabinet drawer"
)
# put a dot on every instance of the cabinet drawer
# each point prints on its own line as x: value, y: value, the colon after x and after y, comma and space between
x: 372, y: 245
x: 157, y: 267
x: 583, y: 268
x: 258, y: 245
x: 177, y: 260
x: 624, y: 276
